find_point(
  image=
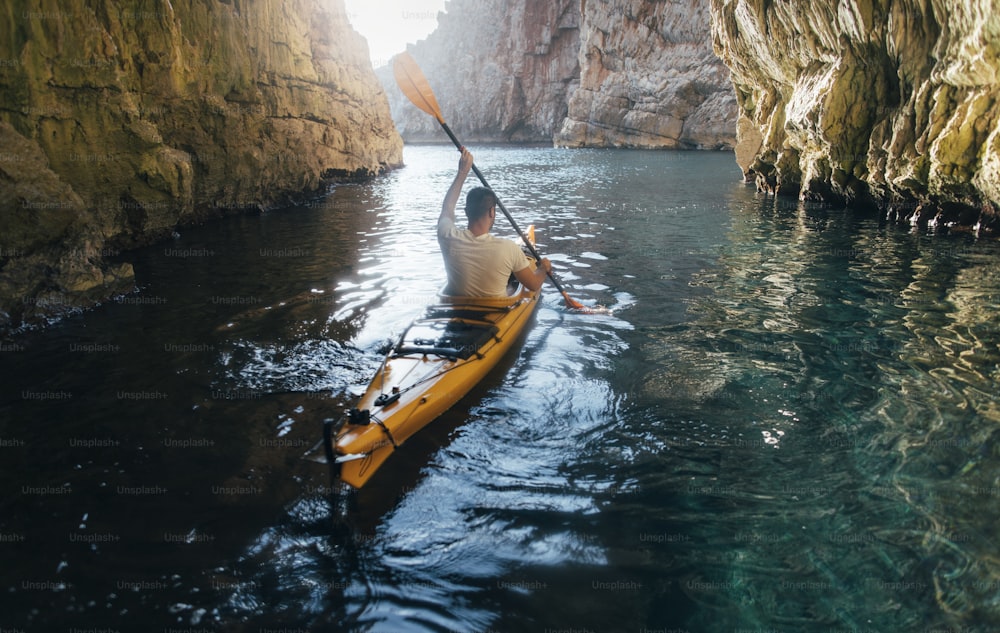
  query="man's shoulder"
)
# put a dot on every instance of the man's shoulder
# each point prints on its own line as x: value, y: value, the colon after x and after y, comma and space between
x: 446, y: 226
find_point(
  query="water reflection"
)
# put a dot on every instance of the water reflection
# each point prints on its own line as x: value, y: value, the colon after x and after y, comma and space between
x: 797, y: 348
x: 787, y: 422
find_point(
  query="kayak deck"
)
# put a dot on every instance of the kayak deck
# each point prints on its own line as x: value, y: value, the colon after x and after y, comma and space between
x: 438, y: 360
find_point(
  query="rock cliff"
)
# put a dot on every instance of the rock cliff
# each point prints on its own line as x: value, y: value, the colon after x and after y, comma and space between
x: 649, y: 79
x: 623, y: 73
x: 502, y: 71
x: 893, y: 104
x: 120, y: 121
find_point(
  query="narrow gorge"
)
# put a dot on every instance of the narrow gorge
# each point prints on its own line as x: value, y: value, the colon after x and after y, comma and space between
x: 248, y: 386
x: 503, y: 71
x: 120, y: 122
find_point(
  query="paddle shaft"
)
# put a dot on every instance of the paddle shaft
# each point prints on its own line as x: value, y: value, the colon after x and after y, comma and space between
x: 510, y: 218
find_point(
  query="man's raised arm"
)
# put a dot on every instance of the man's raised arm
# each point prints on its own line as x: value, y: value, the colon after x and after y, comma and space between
x: 451, y: 198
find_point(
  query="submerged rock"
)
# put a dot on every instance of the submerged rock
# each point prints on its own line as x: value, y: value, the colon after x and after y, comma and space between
x: 120, y: 121
x: 869, y: 103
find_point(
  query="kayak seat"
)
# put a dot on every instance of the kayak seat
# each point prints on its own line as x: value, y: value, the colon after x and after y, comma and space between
x: 473, y: 313
x: 446, y: 337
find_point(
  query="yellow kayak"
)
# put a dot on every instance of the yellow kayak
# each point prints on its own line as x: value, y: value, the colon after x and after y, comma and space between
x: 439, y: 358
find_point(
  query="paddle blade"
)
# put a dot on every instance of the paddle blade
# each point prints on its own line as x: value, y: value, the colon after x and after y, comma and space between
x: 573, y: 304
x: 414, y: 85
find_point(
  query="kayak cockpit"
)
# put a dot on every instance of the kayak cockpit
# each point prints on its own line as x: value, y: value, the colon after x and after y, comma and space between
x: 449, y: 338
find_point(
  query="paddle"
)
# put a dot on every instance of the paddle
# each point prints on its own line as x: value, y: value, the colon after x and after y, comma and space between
x: 414, y: 85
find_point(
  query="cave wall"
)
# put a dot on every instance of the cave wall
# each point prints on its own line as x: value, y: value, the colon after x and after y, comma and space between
x: 873, y: 103
x: 120, y: 121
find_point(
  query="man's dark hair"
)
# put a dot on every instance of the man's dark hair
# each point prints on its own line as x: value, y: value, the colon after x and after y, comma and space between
x: 478, y: 203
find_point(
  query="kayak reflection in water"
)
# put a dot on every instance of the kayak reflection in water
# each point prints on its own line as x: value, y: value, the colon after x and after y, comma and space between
x: 479, y: 264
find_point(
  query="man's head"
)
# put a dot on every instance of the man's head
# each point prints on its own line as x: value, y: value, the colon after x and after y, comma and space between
x: 478, y: 203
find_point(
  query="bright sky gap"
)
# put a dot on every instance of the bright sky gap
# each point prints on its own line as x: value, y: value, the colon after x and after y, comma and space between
x: 389, y: 25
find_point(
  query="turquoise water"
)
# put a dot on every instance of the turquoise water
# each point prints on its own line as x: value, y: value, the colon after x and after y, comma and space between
x: 788, y: 422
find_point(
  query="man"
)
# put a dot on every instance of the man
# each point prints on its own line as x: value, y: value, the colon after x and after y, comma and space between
x: 478, y: 263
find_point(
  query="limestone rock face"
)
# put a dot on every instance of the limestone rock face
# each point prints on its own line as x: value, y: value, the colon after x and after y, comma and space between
x: 120, y: 121
x: 500, y: 69
x: 892, y: 104
x: 599, y: 73
x: 649, y: 79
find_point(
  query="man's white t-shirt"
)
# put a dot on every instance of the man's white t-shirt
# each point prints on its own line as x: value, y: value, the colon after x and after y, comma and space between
x: 478, y: 266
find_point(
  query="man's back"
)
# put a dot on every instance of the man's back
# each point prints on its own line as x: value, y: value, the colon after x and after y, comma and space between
x: 478, y: 266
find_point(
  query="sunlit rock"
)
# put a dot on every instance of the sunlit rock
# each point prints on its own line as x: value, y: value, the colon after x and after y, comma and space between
x: 622, y: 73
x: 501, y: 70
x: 649, y: 79
x: 122, y: 120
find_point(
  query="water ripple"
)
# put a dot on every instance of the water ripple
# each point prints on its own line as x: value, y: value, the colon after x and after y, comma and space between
x: 787, y: 421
